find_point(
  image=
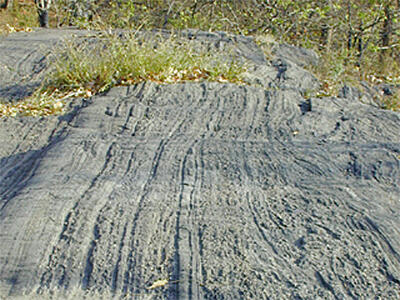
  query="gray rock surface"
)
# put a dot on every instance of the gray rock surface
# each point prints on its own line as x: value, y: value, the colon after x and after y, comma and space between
x: 299, y: 56
x: 225, y: 191
x: 372, y: 95
x: 23, y: 60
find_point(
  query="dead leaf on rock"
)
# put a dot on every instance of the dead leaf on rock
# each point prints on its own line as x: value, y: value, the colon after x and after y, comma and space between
x: 158, y: 283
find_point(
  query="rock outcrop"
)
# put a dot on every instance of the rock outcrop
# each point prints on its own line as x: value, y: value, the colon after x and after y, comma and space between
x: 198, y: 190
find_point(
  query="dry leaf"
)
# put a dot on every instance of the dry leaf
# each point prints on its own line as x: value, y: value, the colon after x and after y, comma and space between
x: 58, y: 105
x: 158, y: 283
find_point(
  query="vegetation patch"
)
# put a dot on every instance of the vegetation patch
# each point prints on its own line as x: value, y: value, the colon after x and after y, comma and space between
x: 20, y: 17
x: 85, y: 68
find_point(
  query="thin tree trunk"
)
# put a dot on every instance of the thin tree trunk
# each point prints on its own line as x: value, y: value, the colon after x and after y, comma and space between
x: 350, y: 31
x: 329, y: 29
x: 326, y: 37
x: 387, y: 32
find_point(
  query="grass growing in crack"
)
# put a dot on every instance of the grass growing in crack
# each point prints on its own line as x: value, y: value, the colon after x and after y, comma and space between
x: 83, y: 69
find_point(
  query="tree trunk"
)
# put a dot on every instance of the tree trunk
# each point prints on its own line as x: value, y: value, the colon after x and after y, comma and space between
x: 43, y: 18
x: 43, y: 7
x: 350, y: 31
x: 387, y: 31
x: 326, y: 37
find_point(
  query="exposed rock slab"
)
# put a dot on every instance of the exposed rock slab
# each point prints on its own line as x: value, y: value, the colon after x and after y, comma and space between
x: 23, y: 60
x: 226, y: 191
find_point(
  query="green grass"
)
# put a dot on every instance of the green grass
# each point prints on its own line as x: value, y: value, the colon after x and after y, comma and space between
x: 124, y: 61
x: 83, y: 69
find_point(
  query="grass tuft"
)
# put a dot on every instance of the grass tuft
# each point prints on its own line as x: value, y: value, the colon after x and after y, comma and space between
x: 83, y: 69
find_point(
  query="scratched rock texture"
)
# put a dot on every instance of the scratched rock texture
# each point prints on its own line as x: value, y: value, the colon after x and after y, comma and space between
x: 222, y: 191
